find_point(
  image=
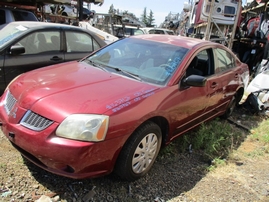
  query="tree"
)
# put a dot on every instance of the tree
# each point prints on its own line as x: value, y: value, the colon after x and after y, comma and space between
x: 150, y: 19
x: 144, y: 17
x: 125, y: 12
x: 111, y: 9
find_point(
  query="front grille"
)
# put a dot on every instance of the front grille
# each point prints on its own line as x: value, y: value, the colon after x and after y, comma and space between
x: 34, y: 121
x: 9, y: 102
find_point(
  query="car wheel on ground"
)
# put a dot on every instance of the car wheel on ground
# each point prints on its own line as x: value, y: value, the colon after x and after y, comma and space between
x: 230, y: 108
x: 139, y: 152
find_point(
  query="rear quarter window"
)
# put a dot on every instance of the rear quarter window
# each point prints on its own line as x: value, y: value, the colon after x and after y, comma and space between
x: 23, y: 16
x: 80, y: 42
x: 156, y: 32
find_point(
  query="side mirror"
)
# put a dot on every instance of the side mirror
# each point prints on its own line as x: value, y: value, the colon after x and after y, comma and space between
x: 194, y: 80
x: 17, y: 50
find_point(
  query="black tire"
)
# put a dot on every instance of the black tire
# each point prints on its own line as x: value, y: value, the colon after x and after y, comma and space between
x: 230, y: 108
x: 252, y: 104
x: 139, y: 152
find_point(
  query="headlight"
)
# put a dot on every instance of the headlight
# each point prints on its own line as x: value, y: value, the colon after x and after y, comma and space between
x: 85, y: 127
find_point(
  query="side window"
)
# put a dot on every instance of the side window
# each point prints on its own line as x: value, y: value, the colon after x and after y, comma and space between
x: 170, y: 33
x: 224, y: 60
x: 2, y: 17
x: 201, y: 64
x: 80, y: 42
x: 39, y: 42
x: 128, y: 31
x: 159, y: 32
x: 138, y: 32
x: 203, y: 55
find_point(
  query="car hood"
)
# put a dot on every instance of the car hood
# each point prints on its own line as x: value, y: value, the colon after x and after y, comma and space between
x: 76, y: 87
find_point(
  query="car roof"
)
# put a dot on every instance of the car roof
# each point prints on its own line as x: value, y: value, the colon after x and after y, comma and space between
x: 13, y: 9
x: 38, y: 25
x: 128, y: 26
x: 182, y: 41
x: 155, y: 28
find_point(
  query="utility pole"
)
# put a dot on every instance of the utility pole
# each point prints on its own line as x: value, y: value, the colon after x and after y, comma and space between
x: 80, y: 8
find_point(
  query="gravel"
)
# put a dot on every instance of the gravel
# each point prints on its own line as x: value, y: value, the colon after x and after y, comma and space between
x: 177, y: 177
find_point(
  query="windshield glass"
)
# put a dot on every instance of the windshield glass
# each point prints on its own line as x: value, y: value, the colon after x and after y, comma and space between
x: 149, y: 61
x: 9, y: 32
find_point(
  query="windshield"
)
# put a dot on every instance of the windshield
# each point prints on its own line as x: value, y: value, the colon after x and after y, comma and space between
x: 9, y: 32
x: 149, y: 61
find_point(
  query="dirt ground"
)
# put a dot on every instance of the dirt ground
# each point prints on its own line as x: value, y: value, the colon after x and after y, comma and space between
x: 243, y: 178
x: 181, y: 177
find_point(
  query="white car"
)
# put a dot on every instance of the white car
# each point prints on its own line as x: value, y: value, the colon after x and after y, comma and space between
x: 133, y: 30
x: 154, y: 30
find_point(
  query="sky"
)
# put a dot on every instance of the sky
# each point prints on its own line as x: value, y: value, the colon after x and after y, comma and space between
x: 160, y: 8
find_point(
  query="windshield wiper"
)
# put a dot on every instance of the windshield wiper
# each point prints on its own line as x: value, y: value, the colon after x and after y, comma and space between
x: 103, y: 67
x: 135, y: 76
x: 95, y: 64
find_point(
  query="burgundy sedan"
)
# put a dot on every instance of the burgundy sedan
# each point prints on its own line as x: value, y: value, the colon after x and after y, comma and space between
x: 115, y: 109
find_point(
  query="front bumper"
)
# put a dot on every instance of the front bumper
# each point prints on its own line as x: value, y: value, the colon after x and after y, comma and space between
x: 69, y: 158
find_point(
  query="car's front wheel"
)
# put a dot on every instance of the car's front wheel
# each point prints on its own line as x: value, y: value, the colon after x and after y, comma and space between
x: 139, y: 152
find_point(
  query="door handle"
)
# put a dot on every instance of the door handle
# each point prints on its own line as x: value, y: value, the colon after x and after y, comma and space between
x: 236, y: 75
x: 214, y: 85
x: 56, y: 58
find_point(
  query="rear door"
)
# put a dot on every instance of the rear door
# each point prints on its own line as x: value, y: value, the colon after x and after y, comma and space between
x: 214, y: 85
x: 219, y: 67
x: 225, y: 80
x: 40, y: 51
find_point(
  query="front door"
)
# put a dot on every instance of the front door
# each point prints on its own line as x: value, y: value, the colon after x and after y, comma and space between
x: 40, y: 51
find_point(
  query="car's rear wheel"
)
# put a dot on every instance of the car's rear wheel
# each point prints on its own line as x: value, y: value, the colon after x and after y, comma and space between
x: 139, y: 152
x: 230, y: 108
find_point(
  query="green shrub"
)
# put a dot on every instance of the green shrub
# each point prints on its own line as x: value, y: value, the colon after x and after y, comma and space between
x: 215, y: 138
